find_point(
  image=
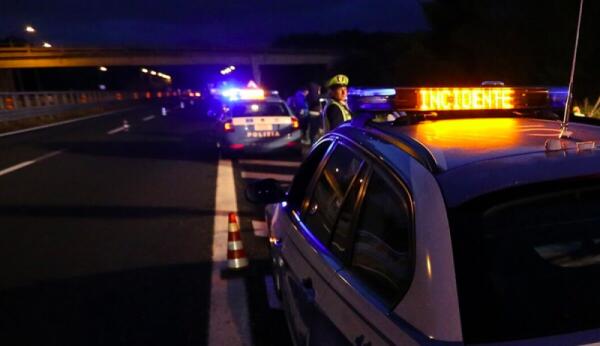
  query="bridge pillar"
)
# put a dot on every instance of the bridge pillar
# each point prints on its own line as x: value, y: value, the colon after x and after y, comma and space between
x: 256, y: 69
x: 7, y: 80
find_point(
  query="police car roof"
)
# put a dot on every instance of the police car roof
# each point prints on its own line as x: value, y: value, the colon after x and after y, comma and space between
x: 474, y: 156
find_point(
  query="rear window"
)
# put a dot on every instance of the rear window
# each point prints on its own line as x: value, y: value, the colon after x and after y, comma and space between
x: 528, y: 261
x: 251, y: 109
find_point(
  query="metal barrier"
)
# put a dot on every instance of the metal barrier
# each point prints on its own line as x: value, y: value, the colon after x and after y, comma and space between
x: 21, y: 105
x: 13, y: 101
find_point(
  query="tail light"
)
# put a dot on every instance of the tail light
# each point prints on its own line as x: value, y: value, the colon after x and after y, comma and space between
x: 295, y: 123
x: 228, y: 126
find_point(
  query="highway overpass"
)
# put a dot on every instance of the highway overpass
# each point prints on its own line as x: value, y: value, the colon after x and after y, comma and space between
x: 29, y: 57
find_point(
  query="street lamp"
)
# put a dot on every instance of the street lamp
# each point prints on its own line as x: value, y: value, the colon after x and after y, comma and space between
x: 46, y: 45
x: 228, y: 70
x: 30, y: 29
x: 144, y: 70
x: 103, y: 68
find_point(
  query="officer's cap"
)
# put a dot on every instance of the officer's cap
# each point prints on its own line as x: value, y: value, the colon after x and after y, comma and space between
x: 337, y: 80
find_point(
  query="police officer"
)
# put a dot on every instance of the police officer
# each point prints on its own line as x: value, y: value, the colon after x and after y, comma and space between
x: 336, y: 111
x: 299, y: 105
x: 314, y: 111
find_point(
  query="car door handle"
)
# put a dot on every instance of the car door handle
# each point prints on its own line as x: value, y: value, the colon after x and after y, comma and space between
x: 307, y: 283
x: 360, y: 341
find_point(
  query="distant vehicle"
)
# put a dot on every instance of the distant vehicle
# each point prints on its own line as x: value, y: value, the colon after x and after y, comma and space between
x: 463, y: 220
x: 252, y: 121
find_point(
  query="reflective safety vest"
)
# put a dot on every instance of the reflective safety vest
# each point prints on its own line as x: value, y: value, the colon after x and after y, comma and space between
x: 345, y: 111
x: 346, y: 115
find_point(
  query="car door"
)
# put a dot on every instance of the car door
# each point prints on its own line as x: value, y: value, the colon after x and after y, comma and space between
x: 379, y: 260
x: 297, y: 306
x: 308, y: 262
x: 358, y: 270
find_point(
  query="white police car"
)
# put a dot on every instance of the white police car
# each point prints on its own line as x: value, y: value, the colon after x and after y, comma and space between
x: 464, y: 221
x: 253, y: 121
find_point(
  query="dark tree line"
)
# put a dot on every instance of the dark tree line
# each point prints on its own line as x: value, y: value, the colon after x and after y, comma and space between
x: 521, y: 42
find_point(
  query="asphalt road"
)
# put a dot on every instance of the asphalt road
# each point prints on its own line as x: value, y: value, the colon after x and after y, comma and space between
x: 107, y: 233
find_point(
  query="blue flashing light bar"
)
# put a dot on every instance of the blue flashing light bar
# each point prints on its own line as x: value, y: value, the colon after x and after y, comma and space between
x: 558, y: 96
x: 371, y: 99
x: 371, y: 92
x: 236, y: 94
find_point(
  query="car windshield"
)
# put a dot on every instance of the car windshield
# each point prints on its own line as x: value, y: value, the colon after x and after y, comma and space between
x: 251, y: 109
x: 528, y: 261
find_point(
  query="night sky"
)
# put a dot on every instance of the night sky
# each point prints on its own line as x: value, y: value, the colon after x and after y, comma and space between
x: 194, y: 23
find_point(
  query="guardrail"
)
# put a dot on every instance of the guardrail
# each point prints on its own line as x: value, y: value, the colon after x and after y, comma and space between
x: 13, y: 101
x: 22, y: 105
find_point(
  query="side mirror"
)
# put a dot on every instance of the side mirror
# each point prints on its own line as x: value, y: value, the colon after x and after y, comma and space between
x: 264, y: 191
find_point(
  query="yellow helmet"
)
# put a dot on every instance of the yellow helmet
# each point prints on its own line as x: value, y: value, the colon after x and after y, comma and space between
x: 337, y: 80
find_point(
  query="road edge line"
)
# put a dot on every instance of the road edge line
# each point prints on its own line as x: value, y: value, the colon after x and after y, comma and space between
x: 65, y: 122
x: 229, y: 318
x: 28, y: 163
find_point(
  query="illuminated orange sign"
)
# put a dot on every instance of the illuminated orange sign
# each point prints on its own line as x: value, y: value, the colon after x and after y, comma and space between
x: 450, y: 99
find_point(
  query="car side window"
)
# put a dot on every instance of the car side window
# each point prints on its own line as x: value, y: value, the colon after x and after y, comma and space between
x: 330, y: 191
x: 341, y: 241
x: 382, y: 258
x: 302, y: 179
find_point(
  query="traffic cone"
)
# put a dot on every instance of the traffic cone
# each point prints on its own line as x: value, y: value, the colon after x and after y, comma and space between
x: 236, y: 256
x: 125, y: 125
x: 181, y: 105
x: 163, y: 111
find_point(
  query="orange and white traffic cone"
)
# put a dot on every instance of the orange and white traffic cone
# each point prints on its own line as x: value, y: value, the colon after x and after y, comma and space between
x: 236, y: 256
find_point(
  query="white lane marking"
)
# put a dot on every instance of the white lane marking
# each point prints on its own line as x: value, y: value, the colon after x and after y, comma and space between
x: 261, y: 175
x: 229, y: 323
x: 16, y: 167
x: 260, y: 228
x: 27, y: 163
x: 66, y: 122
x: 271, y: 163
x: 117, y: 130
x: 148, y: 118
x: 274, y: 302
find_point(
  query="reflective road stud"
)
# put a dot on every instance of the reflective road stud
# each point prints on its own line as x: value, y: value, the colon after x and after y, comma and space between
x: 236, y: 256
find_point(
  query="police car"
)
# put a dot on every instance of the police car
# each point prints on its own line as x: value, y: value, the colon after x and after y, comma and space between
x: 256, y: 121
x: 465, y: 220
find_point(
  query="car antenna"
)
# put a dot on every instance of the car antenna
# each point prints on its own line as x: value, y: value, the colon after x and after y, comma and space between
x: 564, y: 126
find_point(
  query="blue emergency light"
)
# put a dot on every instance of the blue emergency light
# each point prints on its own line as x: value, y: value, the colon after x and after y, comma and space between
x: 370, y: 99
x: 558, y: 96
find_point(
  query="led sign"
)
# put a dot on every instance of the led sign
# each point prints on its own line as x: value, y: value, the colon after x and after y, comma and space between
x: 447, y: 99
